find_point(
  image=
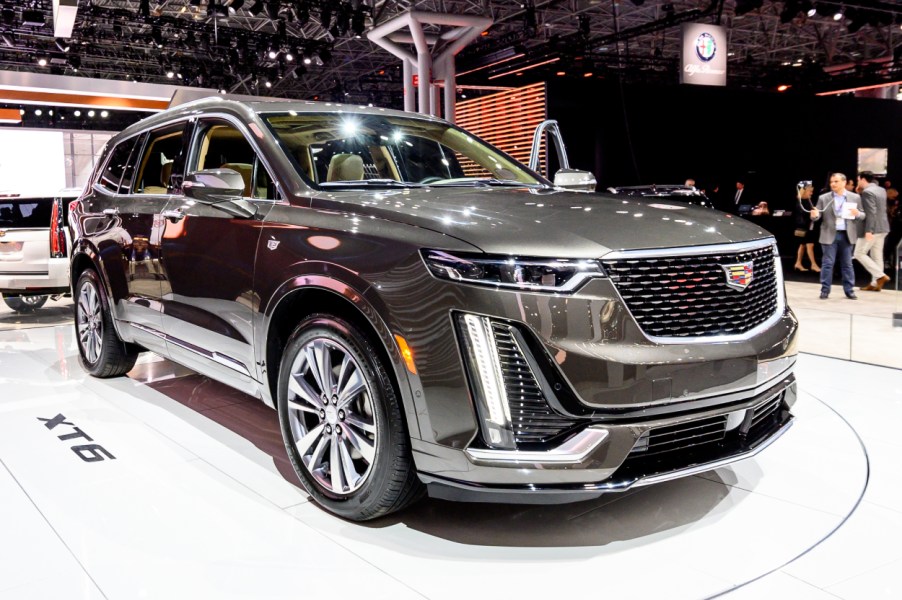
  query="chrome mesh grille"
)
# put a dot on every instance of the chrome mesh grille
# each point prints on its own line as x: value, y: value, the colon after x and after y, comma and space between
x: 688, y: 296
x: 532, y: 418
x: 684, y: 435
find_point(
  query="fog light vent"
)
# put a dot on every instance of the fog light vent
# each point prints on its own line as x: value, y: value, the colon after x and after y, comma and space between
x: 509, y: 394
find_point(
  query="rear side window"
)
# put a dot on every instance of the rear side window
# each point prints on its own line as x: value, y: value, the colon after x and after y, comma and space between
x: 116, y: 166
x: 31, y: 213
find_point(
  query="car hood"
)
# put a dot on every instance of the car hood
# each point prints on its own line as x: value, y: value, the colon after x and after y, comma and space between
x: 546, y: 222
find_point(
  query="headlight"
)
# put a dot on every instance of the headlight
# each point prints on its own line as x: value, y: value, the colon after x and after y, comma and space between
x: 555, y: 275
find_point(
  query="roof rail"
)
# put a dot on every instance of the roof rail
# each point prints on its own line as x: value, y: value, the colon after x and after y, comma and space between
x: 186, y: 95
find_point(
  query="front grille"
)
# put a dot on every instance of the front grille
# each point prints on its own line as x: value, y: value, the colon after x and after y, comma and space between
x: 684, y: 435
x: 532, y: 419
x: 763, y: 416
x: 688, y: 296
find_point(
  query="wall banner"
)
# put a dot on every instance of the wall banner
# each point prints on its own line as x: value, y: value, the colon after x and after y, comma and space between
x: 704, y: 58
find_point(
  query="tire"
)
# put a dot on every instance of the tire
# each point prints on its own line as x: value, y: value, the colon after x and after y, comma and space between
x: 100, y: 351
x: 25, y: 304
x: 357, y: 425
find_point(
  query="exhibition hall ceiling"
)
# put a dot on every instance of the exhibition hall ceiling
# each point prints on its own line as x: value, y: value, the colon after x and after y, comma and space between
x: 319, y: 49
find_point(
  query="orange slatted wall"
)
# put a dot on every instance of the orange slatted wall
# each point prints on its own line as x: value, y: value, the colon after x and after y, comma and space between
x: 507, y: 120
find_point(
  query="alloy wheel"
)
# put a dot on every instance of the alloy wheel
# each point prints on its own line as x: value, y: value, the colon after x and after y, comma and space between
x: 330, y: 411
x: 32, y: 301
x: 89, y: 322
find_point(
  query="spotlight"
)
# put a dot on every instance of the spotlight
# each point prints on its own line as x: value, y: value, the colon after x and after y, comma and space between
x: 838, y: 15
x: 289, y: 56
x: 325, y: 15
x: 170, y: 74
x: 272, y: 54
x: 811, y: 11
x: 104, y: 114
x: 358, y: 21
x: 77, y: 113
x: 303, y: 14
x: 268, y: 84
x: 745, y: 6
x: 42, y: 61
x: 38, y: 112
x: 91, y: 113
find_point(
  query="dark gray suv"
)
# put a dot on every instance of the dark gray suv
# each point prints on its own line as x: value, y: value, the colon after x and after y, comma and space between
x: 427, y: 314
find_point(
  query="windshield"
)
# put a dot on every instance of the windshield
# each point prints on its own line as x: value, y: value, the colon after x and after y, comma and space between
x: 359, y: 150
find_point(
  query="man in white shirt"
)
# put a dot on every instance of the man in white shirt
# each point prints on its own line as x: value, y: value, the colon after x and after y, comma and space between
x: 839, y: 232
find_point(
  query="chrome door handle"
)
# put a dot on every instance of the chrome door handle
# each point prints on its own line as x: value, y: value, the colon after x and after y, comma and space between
x: 111, y: 212
x: 173, y: 215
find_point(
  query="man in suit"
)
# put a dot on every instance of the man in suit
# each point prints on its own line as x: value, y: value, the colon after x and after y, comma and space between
x: 839, y: 233
x: 869, y: 250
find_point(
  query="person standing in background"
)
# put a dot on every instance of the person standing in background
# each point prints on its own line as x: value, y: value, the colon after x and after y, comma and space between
x: 869, y: 249
x: 838, y: 233
x: 806, y: 231
x: 737, y: 199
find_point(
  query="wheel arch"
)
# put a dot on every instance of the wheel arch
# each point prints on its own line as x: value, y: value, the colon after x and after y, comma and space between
x: 327, y: 296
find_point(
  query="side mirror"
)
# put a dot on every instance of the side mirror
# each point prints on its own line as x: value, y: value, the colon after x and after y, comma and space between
x: 575, y: 180
x: 213, y: 185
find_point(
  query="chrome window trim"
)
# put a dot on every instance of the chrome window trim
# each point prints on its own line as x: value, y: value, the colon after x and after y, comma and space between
x: 241, y: 127
x: 702, y: 250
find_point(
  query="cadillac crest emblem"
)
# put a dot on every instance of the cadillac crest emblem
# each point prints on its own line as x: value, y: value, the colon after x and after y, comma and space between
x: 739, y: 276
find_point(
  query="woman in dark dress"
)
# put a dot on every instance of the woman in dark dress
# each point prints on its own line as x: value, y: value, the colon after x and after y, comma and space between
x: 806, y: 232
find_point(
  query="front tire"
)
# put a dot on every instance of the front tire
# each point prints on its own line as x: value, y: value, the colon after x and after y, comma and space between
x: 25, y: 304
x: 100, y: 351
x: 342, y: 422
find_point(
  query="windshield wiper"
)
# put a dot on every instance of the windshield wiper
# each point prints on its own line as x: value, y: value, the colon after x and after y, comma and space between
x: 393, y: 183
x: 486, y: 182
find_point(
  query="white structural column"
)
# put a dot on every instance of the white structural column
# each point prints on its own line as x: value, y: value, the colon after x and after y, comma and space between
x: 429, y: 64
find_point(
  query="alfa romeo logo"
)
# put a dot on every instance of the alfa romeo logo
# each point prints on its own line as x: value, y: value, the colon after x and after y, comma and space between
x: 705, y: 46
x: 739, y: 276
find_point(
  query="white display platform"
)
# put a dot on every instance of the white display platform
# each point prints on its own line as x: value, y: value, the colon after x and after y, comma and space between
x: 200, y: 502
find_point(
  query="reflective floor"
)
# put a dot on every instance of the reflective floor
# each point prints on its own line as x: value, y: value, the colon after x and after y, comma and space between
x: 165, y: 484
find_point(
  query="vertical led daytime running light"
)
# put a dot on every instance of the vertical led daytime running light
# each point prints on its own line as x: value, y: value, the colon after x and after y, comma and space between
x: 491, y: 395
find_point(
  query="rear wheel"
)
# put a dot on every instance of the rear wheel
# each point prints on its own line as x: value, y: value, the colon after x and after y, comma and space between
x: 342, y: 422
x: 101, y: 352
x: 25, y: 304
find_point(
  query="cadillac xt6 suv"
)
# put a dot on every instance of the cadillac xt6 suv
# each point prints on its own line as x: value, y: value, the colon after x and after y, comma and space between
x: 426, y: 314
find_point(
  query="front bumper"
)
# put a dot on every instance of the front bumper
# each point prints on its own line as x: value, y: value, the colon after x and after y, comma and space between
x: 609, y: 458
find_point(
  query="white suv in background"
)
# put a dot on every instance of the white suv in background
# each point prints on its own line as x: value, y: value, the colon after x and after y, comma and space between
x: 34, y: 248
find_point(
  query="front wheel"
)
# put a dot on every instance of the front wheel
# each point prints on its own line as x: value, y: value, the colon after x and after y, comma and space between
x: 342, y: 423
x: 100, y: 351
x: 25, y: 304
